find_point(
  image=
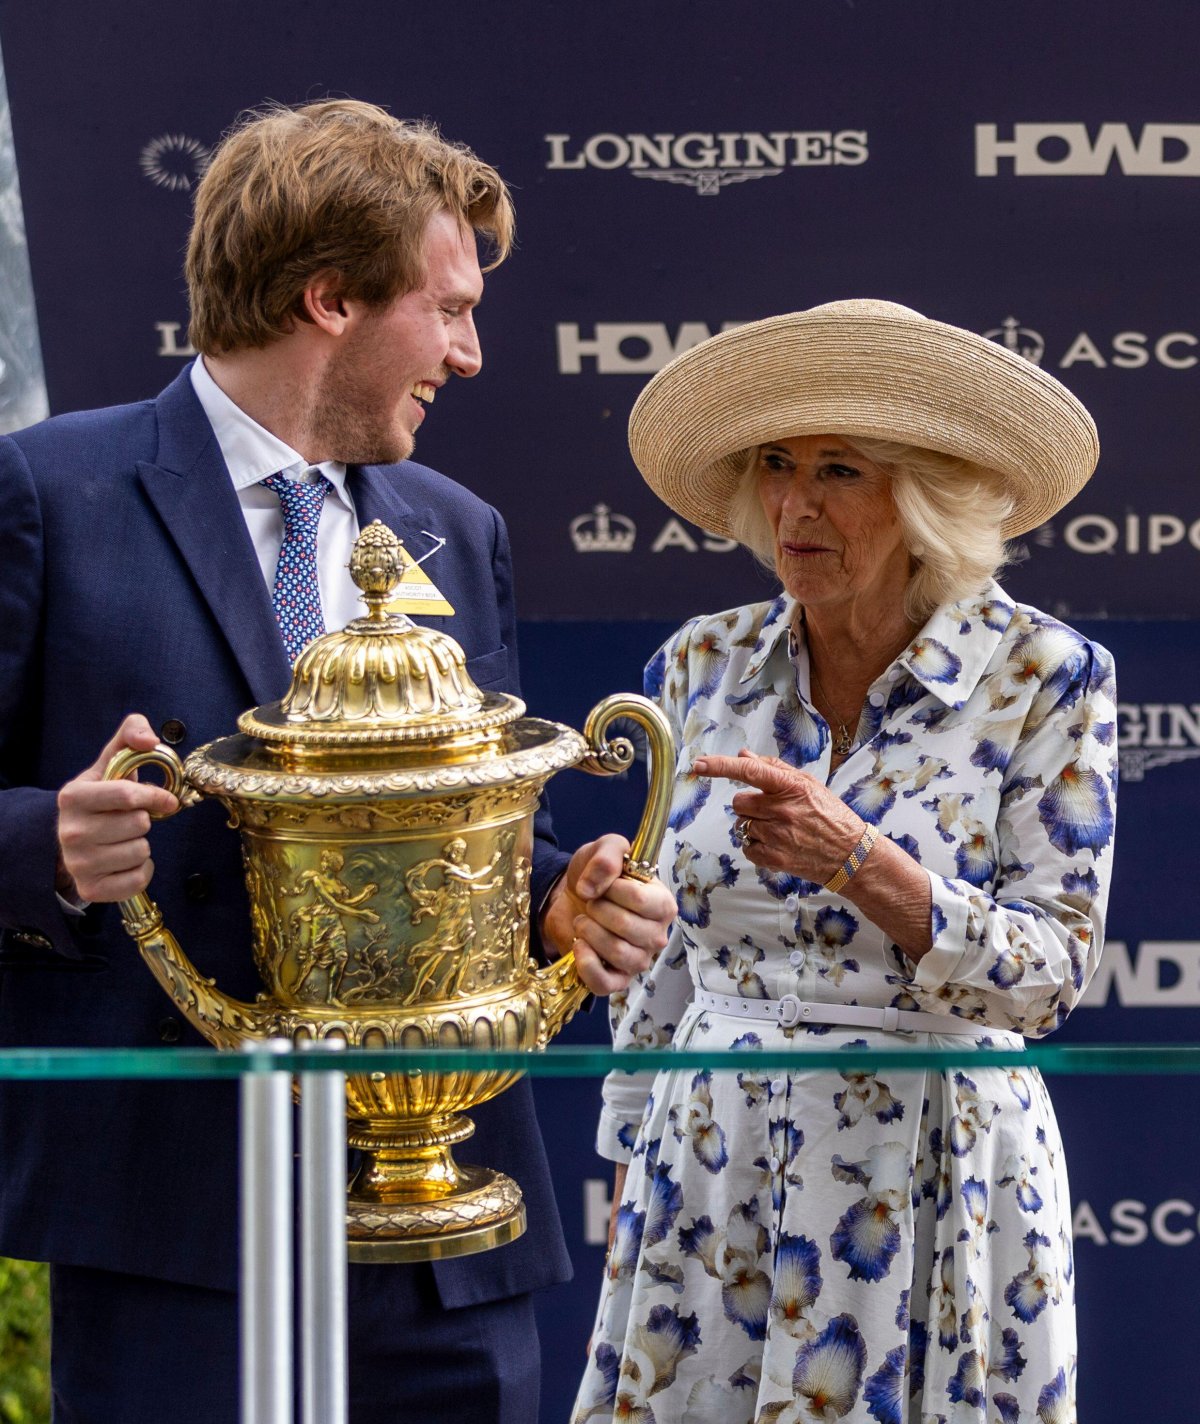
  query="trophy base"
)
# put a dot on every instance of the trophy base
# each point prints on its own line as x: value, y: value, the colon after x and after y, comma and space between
x: 484, y: 1211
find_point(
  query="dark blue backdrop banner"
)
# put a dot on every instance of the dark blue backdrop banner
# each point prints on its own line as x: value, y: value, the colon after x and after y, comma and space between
x: 1029, y: 171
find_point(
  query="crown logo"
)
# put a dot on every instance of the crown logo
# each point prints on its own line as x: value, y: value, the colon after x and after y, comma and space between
x: 1020, y: 340
x: 603, y: 532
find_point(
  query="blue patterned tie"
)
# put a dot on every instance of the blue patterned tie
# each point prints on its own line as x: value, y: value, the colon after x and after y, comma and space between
x: 296, y: 596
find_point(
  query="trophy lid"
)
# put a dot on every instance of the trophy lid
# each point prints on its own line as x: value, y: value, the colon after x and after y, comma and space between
x: 383, y: 680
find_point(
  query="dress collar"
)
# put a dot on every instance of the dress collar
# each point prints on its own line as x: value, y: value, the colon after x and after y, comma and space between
x: 947, y: 657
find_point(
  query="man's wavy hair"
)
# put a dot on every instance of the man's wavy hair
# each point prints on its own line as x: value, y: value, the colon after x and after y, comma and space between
x: 338, y: 185
x: 951, y: 512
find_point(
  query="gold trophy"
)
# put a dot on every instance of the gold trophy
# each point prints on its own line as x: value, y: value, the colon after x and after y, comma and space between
x: 386, y: 808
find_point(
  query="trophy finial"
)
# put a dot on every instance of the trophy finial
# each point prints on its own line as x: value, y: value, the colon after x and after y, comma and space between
x: 377, y: 566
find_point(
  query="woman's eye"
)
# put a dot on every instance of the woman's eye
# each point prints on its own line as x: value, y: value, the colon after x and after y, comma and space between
x: 842, y: 472
x: 775, y: 462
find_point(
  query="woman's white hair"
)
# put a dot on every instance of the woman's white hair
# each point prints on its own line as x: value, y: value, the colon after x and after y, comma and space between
x: 951, y: 513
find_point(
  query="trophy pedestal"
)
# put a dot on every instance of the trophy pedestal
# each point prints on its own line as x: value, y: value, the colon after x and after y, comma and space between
x: 410, y: 1200
x: 484, y: 1210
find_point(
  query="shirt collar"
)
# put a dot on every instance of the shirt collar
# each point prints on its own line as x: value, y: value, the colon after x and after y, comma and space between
x: 772, y: 636
x: 251, y: 453
x: 947, y: 657
x: 952, y: 651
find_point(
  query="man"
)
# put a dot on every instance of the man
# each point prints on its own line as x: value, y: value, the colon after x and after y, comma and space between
x: 163, y: 560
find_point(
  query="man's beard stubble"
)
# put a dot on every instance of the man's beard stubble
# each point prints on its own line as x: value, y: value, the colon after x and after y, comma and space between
x: 344, y: 424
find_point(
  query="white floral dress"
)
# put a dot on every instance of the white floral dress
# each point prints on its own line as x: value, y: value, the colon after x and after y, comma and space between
x: 896, y: 1247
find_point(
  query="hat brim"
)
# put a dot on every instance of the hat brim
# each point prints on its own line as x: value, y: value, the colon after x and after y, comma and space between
x: 846, y: 369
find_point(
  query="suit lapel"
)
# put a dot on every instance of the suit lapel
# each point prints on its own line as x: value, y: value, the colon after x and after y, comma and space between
x: 190, y: 488
x: 376, y: 492
x: 376, y: 495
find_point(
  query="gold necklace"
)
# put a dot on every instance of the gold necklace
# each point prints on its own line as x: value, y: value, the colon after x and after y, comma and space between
x: 843, y: 741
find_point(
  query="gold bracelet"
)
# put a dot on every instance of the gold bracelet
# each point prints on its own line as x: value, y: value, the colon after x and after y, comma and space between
x: 854, y: 864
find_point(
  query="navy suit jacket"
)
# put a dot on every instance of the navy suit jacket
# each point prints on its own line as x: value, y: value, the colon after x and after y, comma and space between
x: 128, y: 582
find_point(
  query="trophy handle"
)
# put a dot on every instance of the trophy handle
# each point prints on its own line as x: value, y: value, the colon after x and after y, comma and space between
x: 225, y: 1022
x: 560, y: 987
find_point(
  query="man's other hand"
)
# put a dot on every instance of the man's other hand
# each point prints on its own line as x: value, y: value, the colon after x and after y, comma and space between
x: 102, y: 825
x: 616, y: 926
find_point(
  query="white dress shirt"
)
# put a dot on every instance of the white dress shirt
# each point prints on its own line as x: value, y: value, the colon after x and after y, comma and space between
x: 251, y: 455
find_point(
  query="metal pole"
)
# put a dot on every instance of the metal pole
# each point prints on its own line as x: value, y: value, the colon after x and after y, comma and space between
x: 325, y: 1384
x: 266, y: 1220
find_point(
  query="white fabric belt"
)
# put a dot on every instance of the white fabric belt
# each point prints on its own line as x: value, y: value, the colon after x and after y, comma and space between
x: 790, y: 1011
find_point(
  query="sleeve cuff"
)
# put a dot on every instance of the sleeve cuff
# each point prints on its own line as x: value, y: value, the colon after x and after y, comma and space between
x: 948, y: 925
x: 625, y: 1096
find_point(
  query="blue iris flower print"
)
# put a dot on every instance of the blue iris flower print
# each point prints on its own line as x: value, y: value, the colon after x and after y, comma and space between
x: 969, y: 1384
x: 694, y: 1120
x: 732, y: 1257
x: 973, y: 1115
x: 938, y: 1186
x: 796, y: 1285
x: 992, y: 756
x: 902, y: 1316
x: 1018, y: 1084
x: 908, y: 844
x: 655, y: 675
x: 975, y: 857
x: 975, y: 1201
x: 622, y: 1259
x: 933, y: 661
x: 1056, y: 1402
x: 873, y: 796
x: 603, y: 1391
x: 1032, y: 1290
x: 867, y: 1237
x: 665, y: 1204
x: 865, y: 1095
x: 833, y: 930
x: 1049, y: 656
x: 664, y: 1342
x: 942, y: 1301
x: 829, y: 1369
x: 1076, y: 810
x: 780, y: 885
x: 1007, y: 1407
x: 696, y: 875
x: 690, y: 794
x: 738, y: 961
x: 1081, y: 889
x: 884, y: 1391
x: 993, y: 613
x: 800, y: 737
x: 708, y: 655
x: 750, y: 702
x: 1015, y: 957
x: 1020, y: 1172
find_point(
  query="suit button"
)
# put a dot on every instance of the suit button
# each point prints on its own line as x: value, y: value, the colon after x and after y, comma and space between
x: 196, y: 888
x: 170, y: 1030
x: 173, y: 731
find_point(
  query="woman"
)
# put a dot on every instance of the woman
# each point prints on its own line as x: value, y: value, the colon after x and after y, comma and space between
x: 892, y: 825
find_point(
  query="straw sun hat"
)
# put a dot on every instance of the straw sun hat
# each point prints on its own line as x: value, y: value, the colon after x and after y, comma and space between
x: 867, y: 368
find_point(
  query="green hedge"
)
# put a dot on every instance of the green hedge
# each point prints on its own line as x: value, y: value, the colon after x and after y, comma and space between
x: 24, y: 1343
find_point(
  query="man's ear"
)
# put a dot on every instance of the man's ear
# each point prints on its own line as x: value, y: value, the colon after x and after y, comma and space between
x: 323, y: 303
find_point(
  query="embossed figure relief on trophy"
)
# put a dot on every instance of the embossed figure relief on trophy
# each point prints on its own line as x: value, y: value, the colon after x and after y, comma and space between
x: 386, y: 811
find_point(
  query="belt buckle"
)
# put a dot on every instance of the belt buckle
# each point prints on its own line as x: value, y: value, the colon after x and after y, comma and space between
x: 789, y: 1011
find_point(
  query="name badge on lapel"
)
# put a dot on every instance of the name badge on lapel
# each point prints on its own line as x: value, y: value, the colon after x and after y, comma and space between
x: 416, y: 591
